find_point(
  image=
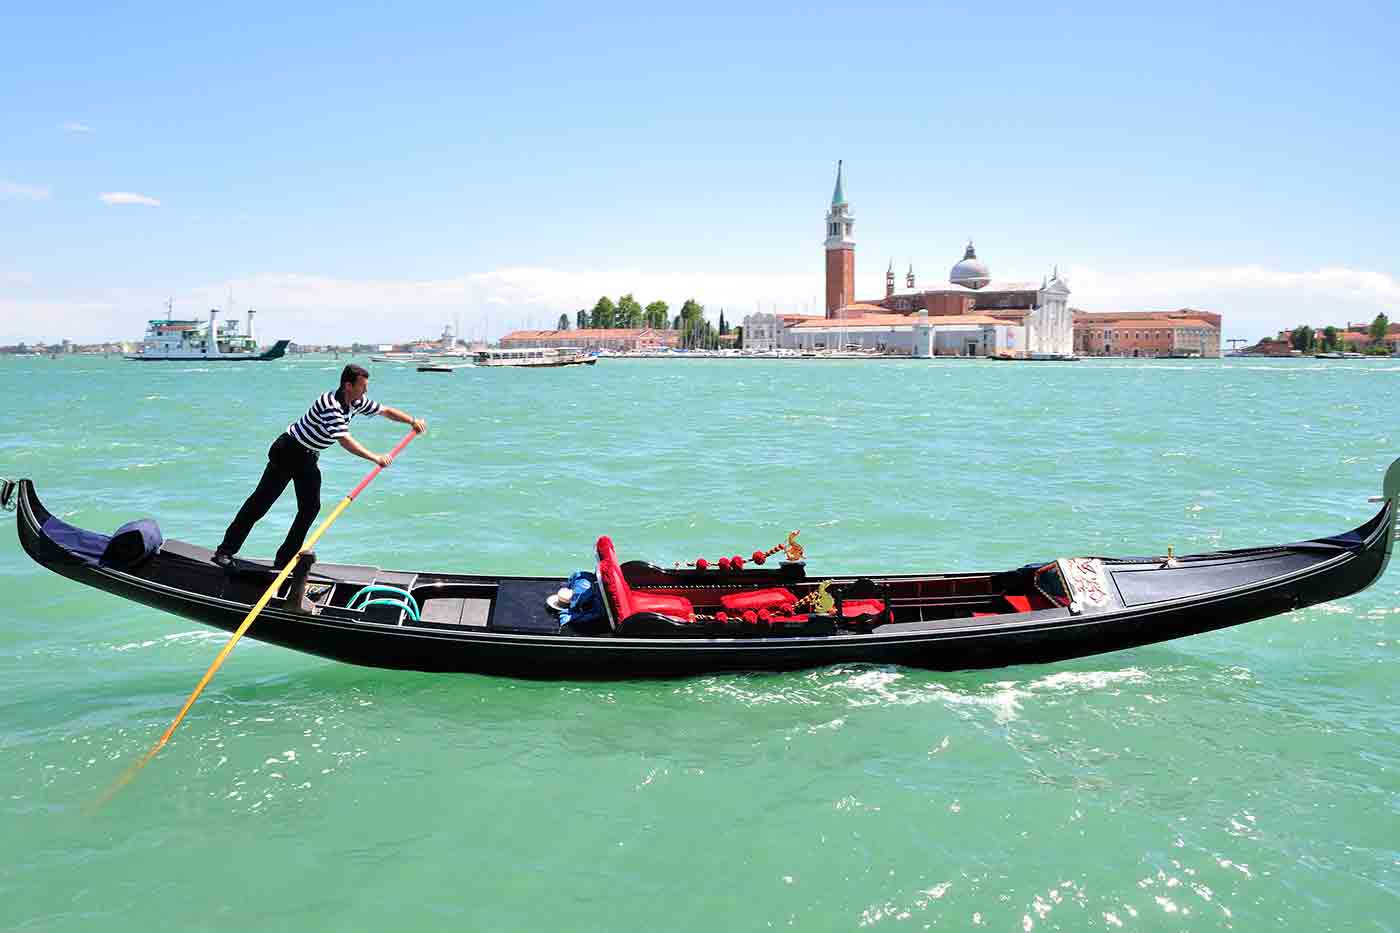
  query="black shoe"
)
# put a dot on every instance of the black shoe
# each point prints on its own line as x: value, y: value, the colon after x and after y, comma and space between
x: 223, y: 560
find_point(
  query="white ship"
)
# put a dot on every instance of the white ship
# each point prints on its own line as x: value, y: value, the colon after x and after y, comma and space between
x: 536, y: 356
x: 171, y: 338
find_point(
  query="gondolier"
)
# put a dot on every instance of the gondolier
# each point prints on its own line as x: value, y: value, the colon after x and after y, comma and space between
x: 292, y: 458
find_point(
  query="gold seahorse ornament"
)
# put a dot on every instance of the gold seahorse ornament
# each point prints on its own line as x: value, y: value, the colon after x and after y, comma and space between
x: 823, y: 603
x: 793, y: 549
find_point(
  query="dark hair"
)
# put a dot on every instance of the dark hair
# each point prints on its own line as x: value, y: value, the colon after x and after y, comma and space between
x: 352, y: 373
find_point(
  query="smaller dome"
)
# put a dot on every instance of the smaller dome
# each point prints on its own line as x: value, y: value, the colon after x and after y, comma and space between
x: 971, y: 272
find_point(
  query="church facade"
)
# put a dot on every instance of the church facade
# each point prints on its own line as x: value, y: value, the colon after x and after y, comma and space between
x: 973, y: 315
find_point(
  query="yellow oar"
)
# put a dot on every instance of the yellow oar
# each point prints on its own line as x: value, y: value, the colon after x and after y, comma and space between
x: 248, y: 621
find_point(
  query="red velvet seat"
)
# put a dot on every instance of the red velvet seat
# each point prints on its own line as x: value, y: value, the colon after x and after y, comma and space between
x: 1017, y: 604
x: 775, y: 599
x: 851, y: 608
x: 623, y: 601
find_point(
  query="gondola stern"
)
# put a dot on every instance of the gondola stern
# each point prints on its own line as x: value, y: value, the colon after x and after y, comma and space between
x: 1390, y: 491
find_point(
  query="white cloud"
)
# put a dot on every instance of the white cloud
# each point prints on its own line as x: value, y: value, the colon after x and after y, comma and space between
x: 15, y: 191
x: 53, y: 320
x: 526, y: 288
x: 128, y: 197
x: 73, y: 126
x: 1176, y: 285
x: 17, y: 278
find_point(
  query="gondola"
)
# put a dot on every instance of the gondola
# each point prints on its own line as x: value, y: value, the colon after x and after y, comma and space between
x: 688, y: 620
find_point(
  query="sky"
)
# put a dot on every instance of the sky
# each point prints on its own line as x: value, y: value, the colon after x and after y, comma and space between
x: 374, y: 172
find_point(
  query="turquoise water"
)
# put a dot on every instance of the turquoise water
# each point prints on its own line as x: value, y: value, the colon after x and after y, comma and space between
x: 1245, y: 779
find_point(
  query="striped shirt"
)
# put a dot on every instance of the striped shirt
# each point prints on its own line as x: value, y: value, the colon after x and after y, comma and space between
x: 328, y: 419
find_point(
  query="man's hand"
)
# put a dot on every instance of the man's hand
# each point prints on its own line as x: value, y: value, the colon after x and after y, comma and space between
x: 419, y: 425
x: 382, y: 459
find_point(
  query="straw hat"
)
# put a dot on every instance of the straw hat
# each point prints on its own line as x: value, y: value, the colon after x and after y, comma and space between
x: 560, y: 601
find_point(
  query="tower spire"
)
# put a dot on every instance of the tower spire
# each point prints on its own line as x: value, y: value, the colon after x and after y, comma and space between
x: 839, y: 195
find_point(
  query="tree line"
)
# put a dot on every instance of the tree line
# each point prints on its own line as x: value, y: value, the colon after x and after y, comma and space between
x: 1328, y: 339
x: 627, y: 312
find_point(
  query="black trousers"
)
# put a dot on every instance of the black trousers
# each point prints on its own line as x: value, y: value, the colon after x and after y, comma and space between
x: 287, y: 462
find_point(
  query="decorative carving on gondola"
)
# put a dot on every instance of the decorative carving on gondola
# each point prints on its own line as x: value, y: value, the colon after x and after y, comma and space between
x: 792, y: 552
x: 819, y: 601
x: 8, y: 500
x: 1087, y: 581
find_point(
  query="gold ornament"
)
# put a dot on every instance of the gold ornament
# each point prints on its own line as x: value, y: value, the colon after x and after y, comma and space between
x: 820, y: 601
x: 794, y: 550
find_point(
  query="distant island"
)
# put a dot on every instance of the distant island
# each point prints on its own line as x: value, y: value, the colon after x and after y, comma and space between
x: 1379, y: 338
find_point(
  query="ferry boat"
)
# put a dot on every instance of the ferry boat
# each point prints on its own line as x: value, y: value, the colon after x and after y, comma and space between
x: 170, y: 338
x: 536, y: 356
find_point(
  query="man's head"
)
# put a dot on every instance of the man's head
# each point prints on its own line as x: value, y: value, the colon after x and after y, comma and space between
x: 354, y: 383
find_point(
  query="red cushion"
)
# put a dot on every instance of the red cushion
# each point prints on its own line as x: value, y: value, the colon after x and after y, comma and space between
x: 862, y: 607
x: 775, y: 598
x: 661, y: 603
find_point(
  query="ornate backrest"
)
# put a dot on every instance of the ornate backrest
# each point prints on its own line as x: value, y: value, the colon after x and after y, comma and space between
x: 615, y: 591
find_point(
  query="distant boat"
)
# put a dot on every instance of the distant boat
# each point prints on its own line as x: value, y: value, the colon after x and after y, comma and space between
x: 171, y: 338
x: 1035, y: 357
x: 444, y: 367
x: 537, y: 356
x: 400, y: 358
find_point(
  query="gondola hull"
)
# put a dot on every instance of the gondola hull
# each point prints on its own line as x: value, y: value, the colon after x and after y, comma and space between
x: 500, y: 625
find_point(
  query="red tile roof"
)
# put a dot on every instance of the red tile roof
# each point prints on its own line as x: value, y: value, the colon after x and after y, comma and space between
x: 886, y: 319
x: 587, y: 333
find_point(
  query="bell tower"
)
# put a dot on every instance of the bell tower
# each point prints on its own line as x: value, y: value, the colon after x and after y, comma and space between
x: 840, y: 251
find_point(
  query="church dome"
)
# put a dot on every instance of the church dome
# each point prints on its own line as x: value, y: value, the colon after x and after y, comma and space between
x: 971, y: 272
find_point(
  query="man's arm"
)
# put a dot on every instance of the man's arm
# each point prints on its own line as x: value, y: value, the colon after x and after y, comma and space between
x: 393, y: 414
x: 359, y: 450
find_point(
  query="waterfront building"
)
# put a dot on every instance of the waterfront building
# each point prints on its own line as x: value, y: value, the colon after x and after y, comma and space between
x: 1186, y: 332
x: 594, y: 338
x: 767, y: 332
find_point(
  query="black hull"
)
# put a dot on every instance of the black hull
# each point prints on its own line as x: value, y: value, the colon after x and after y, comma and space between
x: 1152, y: 601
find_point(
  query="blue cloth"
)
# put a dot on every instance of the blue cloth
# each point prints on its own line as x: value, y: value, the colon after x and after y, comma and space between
x: 81, y: 543
x: 587, y: 605
x: 132, y: 544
